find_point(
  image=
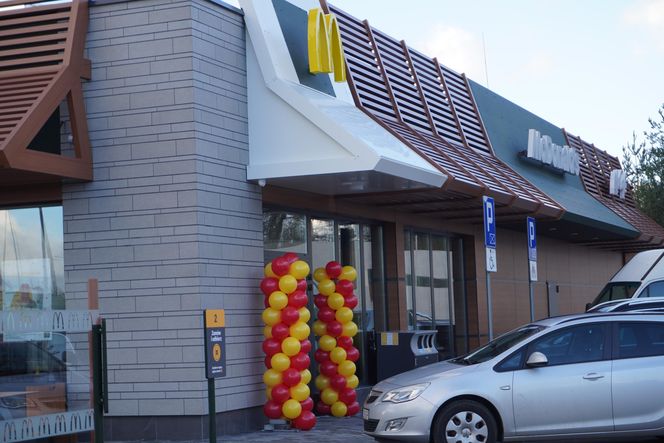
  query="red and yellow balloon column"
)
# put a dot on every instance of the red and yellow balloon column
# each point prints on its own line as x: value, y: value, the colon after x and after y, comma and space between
x: 286, y: 343
x: 336, y: 354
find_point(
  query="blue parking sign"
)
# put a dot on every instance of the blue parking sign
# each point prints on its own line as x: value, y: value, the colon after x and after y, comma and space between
x: 532, y: 239
x: 489, y: 222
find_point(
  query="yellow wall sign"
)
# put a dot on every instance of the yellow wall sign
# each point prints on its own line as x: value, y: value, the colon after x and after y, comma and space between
x: 215, y: 318
x: 326, y: 53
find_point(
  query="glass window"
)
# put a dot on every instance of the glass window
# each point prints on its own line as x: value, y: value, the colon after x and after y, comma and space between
x: 578, y: 344
x: 285, y: 232
x: 322, y: 242
x: 640, y: 339
x: 499, y: 345
x: 617, y: 291
x: 349, y: 255
x: 424, y: 314
x: 655, y: 289
x: 374, y: 277
x: 408, y: 257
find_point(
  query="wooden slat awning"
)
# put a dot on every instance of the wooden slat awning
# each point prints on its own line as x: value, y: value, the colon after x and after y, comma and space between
x: 41, y: 65
x: 431, y: 109
x: 596, y: 166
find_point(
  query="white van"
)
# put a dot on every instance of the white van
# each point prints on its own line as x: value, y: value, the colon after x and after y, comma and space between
x: 642, y: 276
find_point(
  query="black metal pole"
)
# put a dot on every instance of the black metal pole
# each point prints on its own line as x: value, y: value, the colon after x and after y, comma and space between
x: 212, y: 411
x: 97, y: 395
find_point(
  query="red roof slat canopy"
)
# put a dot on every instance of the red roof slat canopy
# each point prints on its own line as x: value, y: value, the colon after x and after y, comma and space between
x: 595, y: 170
x: 431, y: 109
x: 41, y: 65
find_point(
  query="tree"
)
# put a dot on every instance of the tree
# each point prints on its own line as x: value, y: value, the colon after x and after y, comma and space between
x: 644, y: 164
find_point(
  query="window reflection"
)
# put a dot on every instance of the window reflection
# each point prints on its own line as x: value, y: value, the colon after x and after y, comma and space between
x: 285, y: 232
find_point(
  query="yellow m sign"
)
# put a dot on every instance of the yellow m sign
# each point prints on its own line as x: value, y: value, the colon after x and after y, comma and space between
x: 326, y: 54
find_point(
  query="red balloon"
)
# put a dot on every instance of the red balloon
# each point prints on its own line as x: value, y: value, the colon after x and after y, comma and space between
x: 320, y: 301
x: 343, y: 341
x: 326, y: 314
x: 268, y: 362
x: 269, y: 285
x: 280, y: 394
x: 280, y: 331
x: 338, y: 382
x: 350, y: 302
x: 305, y: 421
x: 272, y: 409
x: 289, y: 315
x: 280, y: 266
x: 320, y: 356
x: 291, y: 377
x: 353, y: 409
x: 302, y: 285
x: 308, y: 404
x: 353, y: 354
x: 345, y: 288
x: 327, y: 368
x: 271, y: 346
x: 300, y: 362
x: 333, y: 269
x: 290, y: 257
x: 305, y: 346
x: 334, y: 328
x: 348, y: 396
x: 323, y: 409
x: 297, y: 299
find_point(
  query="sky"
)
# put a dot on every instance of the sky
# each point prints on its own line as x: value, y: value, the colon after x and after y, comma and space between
x: 593, y: 67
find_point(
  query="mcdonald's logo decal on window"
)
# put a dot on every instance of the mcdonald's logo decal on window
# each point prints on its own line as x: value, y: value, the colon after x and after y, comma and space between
x: 326, y: 53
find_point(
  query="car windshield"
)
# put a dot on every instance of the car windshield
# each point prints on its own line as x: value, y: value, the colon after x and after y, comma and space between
x: 617, y: 291
x: 499, y: 345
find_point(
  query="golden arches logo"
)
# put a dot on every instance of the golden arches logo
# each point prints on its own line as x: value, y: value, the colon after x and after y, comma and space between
x: 326, y: 53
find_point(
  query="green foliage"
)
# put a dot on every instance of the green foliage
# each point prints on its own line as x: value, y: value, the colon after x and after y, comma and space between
x: 644, y: 163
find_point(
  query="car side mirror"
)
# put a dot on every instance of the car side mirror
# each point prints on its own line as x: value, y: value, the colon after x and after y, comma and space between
x: 537, y: 360
x: 588, y: 306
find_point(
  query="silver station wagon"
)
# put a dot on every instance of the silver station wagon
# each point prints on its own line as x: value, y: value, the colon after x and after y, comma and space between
x: 567, y: 377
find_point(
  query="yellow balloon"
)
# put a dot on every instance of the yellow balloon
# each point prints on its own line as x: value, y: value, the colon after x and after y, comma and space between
x: 272, y: 377
x: 320, y: 274
x: 268, y: 271
x: 305, y: 314
x: 322, y: 383
x: 338, y: 355
x: 346, y: 368
x: 290, y: 346
x: 291, y: 409
x: 343, y: 314
x: 352, y: 381
x: 300, y: 331
x: 329, y: 396
x: 299, y: 269
x: 320, y: 328
x: 348, y: 273
x: 305, y: 376
x: 278, y: 300
x: 271, y: 316
x: 339, y: 409
x: 267, y: 331
x: 280, y: 362
x: 268, y: 393
x: 288, y: 284
x: 300, y: 392
x: 349, y: 329
x: 335, y: 301
x: 326, y: 287
x: 327, y: 343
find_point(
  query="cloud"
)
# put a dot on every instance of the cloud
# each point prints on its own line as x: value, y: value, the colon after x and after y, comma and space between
x: 647, y: 15
x: 539, y: 65
x: 456, y: 48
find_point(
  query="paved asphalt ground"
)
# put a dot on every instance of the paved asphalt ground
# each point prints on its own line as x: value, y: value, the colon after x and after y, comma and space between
x: 349, y: 430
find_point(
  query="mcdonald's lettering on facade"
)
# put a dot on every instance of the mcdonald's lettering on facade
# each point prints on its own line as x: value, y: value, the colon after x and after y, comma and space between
x: 324, y: 42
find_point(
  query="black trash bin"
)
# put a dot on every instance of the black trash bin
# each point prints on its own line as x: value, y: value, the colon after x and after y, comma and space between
x: 401, y: 351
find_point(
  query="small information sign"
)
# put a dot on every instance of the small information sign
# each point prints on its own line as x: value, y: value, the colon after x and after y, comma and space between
x: 215, y: 343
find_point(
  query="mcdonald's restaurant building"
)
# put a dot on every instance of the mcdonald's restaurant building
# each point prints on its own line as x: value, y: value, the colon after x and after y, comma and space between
x: 154, y: 155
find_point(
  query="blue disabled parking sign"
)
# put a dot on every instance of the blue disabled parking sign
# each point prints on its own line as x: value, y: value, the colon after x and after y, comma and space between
x: 490, y: 233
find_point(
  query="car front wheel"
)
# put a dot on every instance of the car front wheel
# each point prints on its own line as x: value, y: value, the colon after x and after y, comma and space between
x: 465, y: 421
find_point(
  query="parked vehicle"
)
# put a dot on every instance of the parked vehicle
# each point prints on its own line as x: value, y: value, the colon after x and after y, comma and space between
x: 598, y: 375
x: 641, y: 277
x: 630, y: 304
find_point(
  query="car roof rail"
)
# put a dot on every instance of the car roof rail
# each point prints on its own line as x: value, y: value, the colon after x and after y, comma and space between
x: 595, y: 316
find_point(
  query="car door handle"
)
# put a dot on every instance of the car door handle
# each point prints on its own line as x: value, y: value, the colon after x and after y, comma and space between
x: 593, y: 376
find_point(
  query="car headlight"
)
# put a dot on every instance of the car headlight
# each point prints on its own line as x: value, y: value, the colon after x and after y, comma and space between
x: 407, y: 393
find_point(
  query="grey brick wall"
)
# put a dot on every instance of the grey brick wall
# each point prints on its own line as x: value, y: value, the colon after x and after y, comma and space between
x: 169, y: 226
